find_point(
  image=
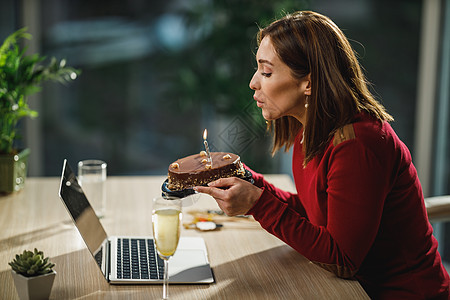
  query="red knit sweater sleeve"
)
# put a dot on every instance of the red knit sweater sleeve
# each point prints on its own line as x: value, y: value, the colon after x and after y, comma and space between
x: 343, y: 194
x: 288, y: 198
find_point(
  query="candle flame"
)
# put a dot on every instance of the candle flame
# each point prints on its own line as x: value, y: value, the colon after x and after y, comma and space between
x: 205, y: 134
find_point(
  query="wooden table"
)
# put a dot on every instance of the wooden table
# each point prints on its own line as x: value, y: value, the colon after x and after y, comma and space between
x: 248, y: 262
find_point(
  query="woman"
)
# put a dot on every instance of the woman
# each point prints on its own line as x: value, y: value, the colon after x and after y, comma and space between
x: 359, y: 209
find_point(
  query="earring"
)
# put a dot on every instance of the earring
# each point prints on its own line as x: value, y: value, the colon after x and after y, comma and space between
x: 306, y: 105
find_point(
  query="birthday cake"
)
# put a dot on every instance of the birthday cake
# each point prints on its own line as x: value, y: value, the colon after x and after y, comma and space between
x: 197, y: 170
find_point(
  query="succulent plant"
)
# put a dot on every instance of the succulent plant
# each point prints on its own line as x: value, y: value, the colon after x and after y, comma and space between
x: 31, y: 263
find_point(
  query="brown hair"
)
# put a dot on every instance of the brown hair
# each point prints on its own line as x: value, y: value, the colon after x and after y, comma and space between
x: 310, y: 43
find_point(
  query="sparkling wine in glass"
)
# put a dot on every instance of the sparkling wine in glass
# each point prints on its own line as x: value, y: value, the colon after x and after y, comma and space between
x: 166, y: 219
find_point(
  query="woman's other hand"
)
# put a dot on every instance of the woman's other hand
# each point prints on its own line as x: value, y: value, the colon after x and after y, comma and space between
x: 233, y: 195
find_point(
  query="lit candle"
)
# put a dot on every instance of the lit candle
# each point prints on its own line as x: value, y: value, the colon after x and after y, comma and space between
x: 205, y: 135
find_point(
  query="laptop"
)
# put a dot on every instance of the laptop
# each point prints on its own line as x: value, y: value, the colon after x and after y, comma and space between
x: 131, y: 259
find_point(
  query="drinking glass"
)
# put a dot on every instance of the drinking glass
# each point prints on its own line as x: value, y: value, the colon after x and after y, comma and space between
x: 92, y: 178
x: 166, y: 219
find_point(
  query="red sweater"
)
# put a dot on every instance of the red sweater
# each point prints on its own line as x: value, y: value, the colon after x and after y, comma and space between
x: 359, y: 212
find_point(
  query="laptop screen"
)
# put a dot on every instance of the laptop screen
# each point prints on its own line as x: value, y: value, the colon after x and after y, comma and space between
x: 81, y: 211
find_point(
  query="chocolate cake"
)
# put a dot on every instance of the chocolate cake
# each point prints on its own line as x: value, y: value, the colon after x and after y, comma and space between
x: 196, y: 170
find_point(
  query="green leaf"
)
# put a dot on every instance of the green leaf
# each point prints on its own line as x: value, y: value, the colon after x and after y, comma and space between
x: 22, y: 75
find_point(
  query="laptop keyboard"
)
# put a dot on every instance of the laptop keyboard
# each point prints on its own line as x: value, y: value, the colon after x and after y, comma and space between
x: 138, y: 259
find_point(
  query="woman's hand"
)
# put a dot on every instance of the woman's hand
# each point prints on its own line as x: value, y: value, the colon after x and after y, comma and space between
x: 233, y: 195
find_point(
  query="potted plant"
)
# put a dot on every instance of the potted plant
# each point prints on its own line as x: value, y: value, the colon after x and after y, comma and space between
x: 21, y: 75
x: 33, y: 275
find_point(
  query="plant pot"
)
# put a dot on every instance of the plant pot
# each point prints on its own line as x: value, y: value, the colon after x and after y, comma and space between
x: 13, y: 171
x: 34, y: 288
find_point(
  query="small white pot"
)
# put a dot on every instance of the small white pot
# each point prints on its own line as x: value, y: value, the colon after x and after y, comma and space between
x: 34, y: 288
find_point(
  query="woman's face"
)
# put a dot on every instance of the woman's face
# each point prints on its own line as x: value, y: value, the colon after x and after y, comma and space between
x: 277, y: 92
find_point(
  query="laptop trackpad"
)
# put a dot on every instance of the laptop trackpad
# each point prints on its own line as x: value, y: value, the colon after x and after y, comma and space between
x: 189, y: 265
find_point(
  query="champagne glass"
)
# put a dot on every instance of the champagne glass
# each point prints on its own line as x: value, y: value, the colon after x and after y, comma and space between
x: 166, y: 219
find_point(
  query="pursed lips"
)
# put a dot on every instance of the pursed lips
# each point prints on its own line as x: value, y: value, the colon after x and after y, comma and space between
x: 259, y: 103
